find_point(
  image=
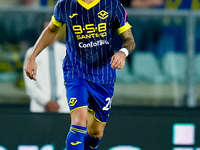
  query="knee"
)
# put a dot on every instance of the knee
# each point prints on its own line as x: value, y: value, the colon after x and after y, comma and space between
x: 96, y: 134
x: 80, y: 121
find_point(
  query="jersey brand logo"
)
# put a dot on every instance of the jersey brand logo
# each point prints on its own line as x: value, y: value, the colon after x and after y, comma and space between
x: 72, y: 101
x: 73, y: 15
x: 76, y: 143
x: 103, y: 14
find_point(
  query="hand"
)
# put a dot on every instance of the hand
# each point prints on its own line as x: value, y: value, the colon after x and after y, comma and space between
x: 31, y: 68
x: 52, y: 106
x: 118, y: 60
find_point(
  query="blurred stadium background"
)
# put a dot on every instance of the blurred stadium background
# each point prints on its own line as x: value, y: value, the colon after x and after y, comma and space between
x: 157, y: 90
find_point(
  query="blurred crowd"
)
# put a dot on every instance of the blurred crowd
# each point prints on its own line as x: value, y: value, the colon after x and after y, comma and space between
x: 156, y: 37
x: 126, y: 3
x: 143, y: 3
x: 159, y: 40
x: 29, y: 2
x: 169, y: 4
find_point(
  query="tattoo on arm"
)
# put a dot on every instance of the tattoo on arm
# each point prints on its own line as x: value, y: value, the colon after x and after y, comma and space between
x: 129, y: 41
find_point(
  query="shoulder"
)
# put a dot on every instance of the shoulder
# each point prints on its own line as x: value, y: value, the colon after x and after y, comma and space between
x: 63, y: 4
x: 63, y: 1
x: 115, y: 2
x: 60, y: 3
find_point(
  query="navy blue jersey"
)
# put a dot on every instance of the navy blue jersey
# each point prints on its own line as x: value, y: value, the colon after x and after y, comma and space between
x: 90, y: 30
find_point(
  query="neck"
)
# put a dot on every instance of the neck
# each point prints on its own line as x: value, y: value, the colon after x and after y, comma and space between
x: 88, y: 1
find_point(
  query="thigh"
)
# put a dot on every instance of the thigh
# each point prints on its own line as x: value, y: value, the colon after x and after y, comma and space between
x: 79, y: 117
x: 100, y: 100
x: 77, y: 94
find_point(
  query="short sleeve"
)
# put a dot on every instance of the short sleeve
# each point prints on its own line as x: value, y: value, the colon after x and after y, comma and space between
x: 121, y: 19
x: 57, y: 17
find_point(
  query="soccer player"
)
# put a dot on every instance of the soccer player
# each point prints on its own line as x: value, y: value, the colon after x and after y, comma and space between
x: 90, y: 63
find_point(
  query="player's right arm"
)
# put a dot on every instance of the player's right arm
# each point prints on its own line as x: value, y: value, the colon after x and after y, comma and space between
x: 43, y: 41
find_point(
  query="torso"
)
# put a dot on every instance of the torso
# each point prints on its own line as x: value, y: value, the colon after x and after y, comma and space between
x: 91, y: 25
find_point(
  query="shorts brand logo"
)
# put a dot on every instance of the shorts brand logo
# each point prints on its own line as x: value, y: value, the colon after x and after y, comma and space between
x: 72, y: 101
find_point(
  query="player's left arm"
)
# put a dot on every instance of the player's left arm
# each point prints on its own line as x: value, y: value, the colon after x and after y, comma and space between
x: 118, y: 59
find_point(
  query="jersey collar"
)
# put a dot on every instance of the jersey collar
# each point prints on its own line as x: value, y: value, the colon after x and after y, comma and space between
x: 88, y: 6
